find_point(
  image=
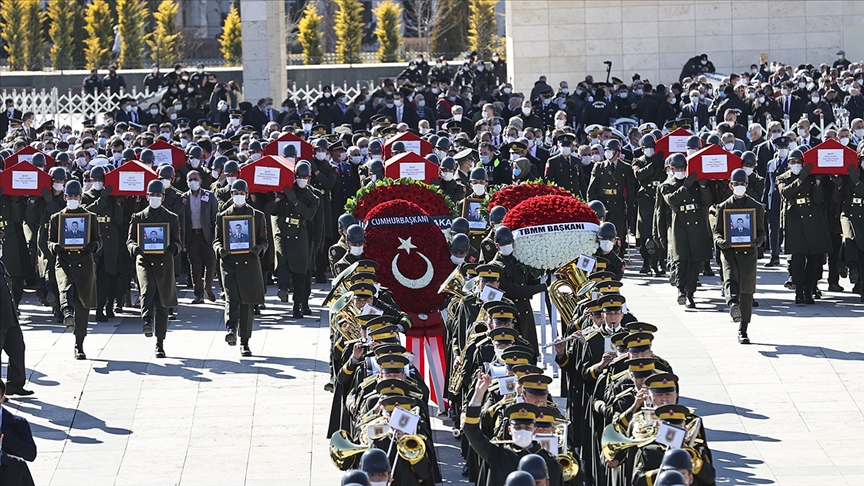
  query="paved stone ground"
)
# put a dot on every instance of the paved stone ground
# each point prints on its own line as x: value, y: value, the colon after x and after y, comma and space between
x: 786, y: 410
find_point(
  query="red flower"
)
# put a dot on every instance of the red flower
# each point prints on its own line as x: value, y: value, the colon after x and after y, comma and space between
x: 425, y: 196
x: 511, y: 196
x: 540, y: 210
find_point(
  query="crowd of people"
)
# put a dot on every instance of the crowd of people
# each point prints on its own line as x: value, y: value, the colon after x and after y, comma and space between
x: 199, y: 224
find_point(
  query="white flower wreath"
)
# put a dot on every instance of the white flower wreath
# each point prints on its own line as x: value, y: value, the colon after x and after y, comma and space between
x: 550, y: 251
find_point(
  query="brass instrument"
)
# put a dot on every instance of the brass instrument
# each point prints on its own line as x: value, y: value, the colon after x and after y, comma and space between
x: 412, y: 448
x: 564, y: 292
x: 342, y: 449
x: 340, y: 285
x: 454, y: 284
x: 613, y: 442
x: 455, y: 386
x: 690, y: 440
x: 569, y: 465
x: 644, y: 425
x: 343, y: 318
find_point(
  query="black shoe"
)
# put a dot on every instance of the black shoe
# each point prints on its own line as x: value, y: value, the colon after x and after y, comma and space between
x: 160, y: 350
x: 100, y: 317
x: 835, y: 288
x: 707, y: 271
x: 245, y: 351
x: 465, y: 471
x: 119, y: 310
x: 772, y: 263
x: 735, y: 312
x: 842, y: 269
x: 682, y: 297
x: 690, y: 303
x: 172, y: 316
x: 283, y: 295
x: 853, y: 276
x: 79, y: 352
x: 147, y: 329
x: 321, y: 278
x: 298, y: 314
x: 68, y: 320
x: 742, y: 338
x: 198, y: 300
x: 645, y: 269
x: 262, y: 306
x: 210, y: 295
x: 109, y: 312
x: 799, y: 297
x: 817, y: 294
x: 808, y: 299
x: 231, y: 337
x: 256, y: 310
x: 788, y: 284
x: 305, y: 310
x: 329, y: 385
x: 18, y: 391
x: 755, y: 303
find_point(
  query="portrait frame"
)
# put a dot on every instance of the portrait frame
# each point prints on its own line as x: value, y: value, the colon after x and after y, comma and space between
x: 247, y: 227
x: 730, y: 225
x: 82, y: 224
x: 163, y: 230
x: 471, y: 211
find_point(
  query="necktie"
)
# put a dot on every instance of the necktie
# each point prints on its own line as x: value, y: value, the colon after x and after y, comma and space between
x: 398, y: 115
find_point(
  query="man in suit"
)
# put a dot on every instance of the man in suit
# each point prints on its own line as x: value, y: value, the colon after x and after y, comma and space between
x: 257, y: 116
x: 790, y: 103
x: 18, y: 447
x: 27, y: 128
x: 804, y: 136
x: 399, y: 111
x: 695, y: 111
x: 7, y: 115
x: 766, y: 150
x: 199, y: 211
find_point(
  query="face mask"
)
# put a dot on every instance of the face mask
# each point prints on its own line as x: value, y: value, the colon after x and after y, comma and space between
x: 844, y: 140
x: 589, y: 99
x: 782, y: 153
x: 609, y: 154
x: 729, y: 146
x: 397, y: 103
x: 302, y: 183
x: 680, y: 175
x: 223, y: 107
x: 560, y: 123
x: 194, y: 163
x: 421, y: 103
x: 457, y: 117
x: 178, y: 107
x: 320, y: 155
x: 546, y: 101
x: 761, y: 99
x: 128, y: 108
x: 155, y: 202
x: 526, y: 111
x: 606, y: 245
x: 82, y: 161
x: 484, y: 159
x: 172, y: 116
x: 739, y: 190
x: 748, y: 170
x: 586, y: 159
x: 517, y: 172
x: 752, y: 96
x: 73, y: 203
x: 307, y: 127
x: 506, y: 249
x: 499, y: 353
x: 357, y: 250
x: 239, y: 199
x: 691, y: 151
x: 255, y: 156
x: 672, y: 101
x: 523, y: 438
x: 235, y: 122
x: 356, y: 159
x: 596, y: 157
x: 802, y: 84
x: 447, y: 176
x: 814, y: 99
x: 784, y: 91
x: 859, y: 132
x: 721, y: 95
x: 457, y: 260
x: 479, y: 189
x: 154, y: 111
x: 98, y: 186
x: 230, y: 180
x: 57, y: 186
x: 796, y: 168
x: 378, y: 156
x: 166, y: 183
x: 649, y: 152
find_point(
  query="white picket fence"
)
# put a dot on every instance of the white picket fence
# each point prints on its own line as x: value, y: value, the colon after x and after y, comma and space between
x: 73, y: 108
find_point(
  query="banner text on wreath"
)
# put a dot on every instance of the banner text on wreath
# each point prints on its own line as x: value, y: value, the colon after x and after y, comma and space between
x: 554, y: 228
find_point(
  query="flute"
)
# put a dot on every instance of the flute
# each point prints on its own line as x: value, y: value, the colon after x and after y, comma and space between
x: 562, y: 340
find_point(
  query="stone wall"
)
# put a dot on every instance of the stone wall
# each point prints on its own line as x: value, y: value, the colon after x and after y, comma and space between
x: 567, y: 39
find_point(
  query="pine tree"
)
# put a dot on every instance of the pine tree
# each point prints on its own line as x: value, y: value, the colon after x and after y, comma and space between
x: 100, y: 34
x: 451, y: 27
x: 389, y: 17
x: 131, y: 16
x: 349, y: 31
x: 12, y: 33
x: 65, y: 18
x: 33, y: 19
x: 232, y: 38
x: 309, y: 33
x: 165, y: 40
x: 482, y: 30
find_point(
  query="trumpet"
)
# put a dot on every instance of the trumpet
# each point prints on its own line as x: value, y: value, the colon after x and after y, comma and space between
x: 562, y: 340
x: 478, y: 327
x: 412, y: 448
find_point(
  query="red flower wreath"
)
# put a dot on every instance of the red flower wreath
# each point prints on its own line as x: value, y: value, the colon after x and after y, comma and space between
x: 550, y: 209
x: 510, y: 196
x: 428, y: 197
x: 412, y: 251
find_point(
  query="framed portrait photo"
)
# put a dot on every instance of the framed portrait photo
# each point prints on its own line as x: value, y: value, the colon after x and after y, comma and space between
x: 74, y: 230
x: 739, y: 227
x: 471, y: 211
x: 238, y: 233
x: 153, y: 237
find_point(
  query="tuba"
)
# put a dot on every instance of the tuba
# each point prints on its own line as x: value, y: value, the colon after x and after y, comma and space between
x: 479, y: 327
x: 412, y: 448
x: 342, y: 449
x: 454, y: 284
x: 613, y: 442
x: 564, y: 292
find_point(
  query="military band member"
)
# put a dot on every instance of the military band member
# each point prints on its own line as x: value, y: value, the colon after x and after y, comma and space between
x: 739, y: 261
x: 158, y: 287
x: 74, y: 268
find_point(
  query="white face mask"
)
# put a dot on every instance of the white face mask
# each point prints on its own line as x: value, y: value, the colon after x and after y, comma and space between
x: 82, y: 161
x: 586, y: 159
x: 456, y: 260
x: 523, y: 438
x: 729, y: 146
x: 479, y: 189
x: 526, y: 111
x: 748, y: 170
x: 57, y: 186
x: 194, y: 163
x: 194, y: 185
x: 357, y: 250
x: 782, y: 153
x: 505, y: 249
x: 73, y: 203
x: 739, y: 190
x: 606, y: 245
x: 559, y: 123
x: 609, y: 154
x: 844, y: 141
x: 230, y: 180
x: 649, y: 152
x: 356, y: 159
x: 761, y: 99
x: 235, y: 122
x: 859, y: 132
x: 565, y: 151
x: 447, y: 176
x: 680, y: 175
x: 88, y: 186
x: 155, y: 202
x: 166, y: 183
x: 98, y: 186
x: 457, y: 117
x: 796, y: 168
x: 320, y: 155
x: 239, y: 199
x: 302, y: 183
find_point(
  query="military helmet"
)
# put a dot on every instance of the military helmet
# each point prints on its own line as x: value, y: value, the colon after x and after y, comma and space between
x: 97, y: 173
x: 460, y: 243
x: 694, y: 142
x: 443, y: 143
x: 322, y: 143
x: 713, y: 140
x: 231, y: 167
x: 748, y: 158
x: 346, y: 220
x: 355, y: 235
x: 448, y: 163
x: 534, y: 465
x: 128, y: 154
x: 374, y: 147
x: 598, y: 207
x: 478, y: 174
x: 607, y: 231
x: 519, y: 478
x: 613, y: 144
x: 38, y: 159
x: 503, y: 235
x: 460, y: 225
x: 166, y: 172
x: 676, y: 459
x: 433, y: 158
x: 255, y: 146
x: 155, y: 187
x: 147, y: 156
x: 302, y: 170
x: 355, y: 476
x: 61, y: 158
x: 57, y: 173
x: 374, y: 461
x: 194, y: 152
x: 496, y: 214
x: 796, y: 154
x: 289, y: 150
x: 240, y: 185
x: 738, y: 175
x: 647, y: 141
x: 677, y: 161
x: 397, y: 147
x: 670, y: 478
x: 377, y: 167
x: 73, y: 188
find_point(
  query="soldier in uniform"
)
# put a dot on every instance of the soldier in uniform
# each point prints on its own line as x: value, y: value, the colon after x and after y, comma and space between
x: 242, y: 276
x: 449, y: 184
x: 613, y: 183
x: 565, y: 168
x: 650, y: 172
x: 853, y: 226
x: 295, y: 218
x: 323, y: 179
x: 340, y: 248
x: 38, y: 214
x: 76, y: 277
x: 173, y: 202
x: 461, y: 226
x: 158, y: 286
x: 16, y: 257
x: 11, y: 337
x: 355, y: 238
x: 108, y: 211
x: 517, y: 284
x: 607, y: 238
x: 805, y: 225
x: 690, y: 238
x: 488, y: 250
x: 739, y: 260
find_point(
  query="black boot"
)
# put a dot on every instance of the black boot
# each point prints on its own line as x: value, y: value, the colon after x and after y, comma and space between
x: 147, y: 329
x: 645, y: 268
x: 68, y: 319
x: 706, y: 269
x: 100, y: 315
x: 298, y: 313
x: 690, y: 303
x: 160, y: 348
x: 682, y: 297
x: 231, y: 336
x: 742, y: 333
x: 735, y: 311
x: 799, y: 296
x: 109, y: 310
x: 808, y: 296
x: 79, y: 348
